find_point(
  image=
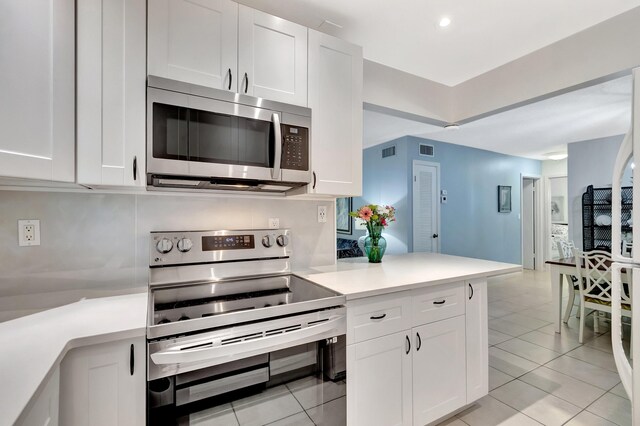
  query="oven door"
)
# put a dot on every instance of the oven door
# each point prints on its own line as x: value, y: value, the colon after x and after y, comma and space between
x: 195, y: 136
x: 289, y: 368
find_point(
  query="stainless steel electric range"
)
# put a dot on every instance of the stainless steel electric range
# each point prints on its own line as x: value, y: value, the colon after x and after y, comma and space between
x: 227, y: 319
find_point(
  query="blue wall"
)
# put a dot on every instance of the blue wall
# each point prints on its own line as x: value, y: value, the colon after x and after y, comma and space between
x: 470, y: 223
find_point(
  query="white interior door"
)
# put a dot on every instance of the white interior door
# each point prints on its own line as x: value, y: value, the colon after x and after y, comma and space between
x: 426, y: 209
x: 528, y: 224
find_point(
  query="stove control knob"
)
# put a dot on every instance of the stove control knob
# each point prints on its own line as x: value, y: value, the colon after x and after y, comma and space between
x: 267, y: 241
x: 184, y: 245
x: 282, y: 240
x: 164, y: 245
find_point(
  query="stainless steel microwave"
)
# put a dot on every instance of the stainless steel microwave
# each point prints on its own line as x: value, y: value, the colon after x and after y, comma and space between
x: 204, y: 138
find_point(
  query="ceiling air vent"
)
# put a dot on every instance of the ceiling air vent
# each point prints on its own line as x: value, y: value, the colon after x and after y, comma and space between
x: 389, y: 152
x: 426, y: 150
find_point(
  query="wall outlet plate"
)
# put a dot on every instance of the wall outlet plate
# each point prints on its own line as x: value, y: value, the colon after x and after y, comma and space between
x: 28, y: 232
x: 322, y: 214
x: 274, y: 223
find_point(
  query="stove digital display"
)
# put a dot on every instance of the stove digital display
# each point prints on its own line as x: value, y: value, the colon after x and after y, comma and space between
x: 227, y: 242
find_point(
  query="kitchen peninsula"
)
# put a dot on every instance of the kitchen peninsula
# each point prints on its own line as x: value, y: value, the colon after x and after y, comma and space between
x: 416, y: 332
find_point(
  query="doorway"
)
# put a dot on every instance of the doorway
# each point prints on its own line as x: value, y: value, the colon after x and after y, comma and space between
x: 528, y: 223
x: 426, y: 206
x: 531, y: 223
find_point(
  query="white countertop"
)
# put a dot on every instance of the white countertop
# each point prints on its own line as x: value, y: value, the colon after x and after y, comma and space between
x: 356, y: 277
x: 32, y: 346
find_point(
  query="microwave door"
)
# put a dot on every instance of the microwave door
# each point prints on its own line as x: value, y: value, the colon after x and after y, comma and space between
x: 167, y: 132
x: 229, y: 140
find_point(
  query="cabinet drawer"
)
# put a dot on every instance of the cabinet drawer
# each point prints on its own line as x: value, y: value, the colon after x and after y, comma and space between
x: 377, y: 316
x: 438, y: 303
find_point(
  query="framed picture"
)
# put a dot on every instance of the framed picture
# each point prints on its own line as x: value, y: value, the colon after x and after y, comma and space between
x: 343, y: 220
x: 557, y: 210
x: 504, y: 199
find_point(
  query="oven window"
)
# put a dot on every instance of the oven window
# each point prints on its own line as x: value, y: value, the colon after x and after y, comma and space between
x: 224, y: 139
x: 170, y: 133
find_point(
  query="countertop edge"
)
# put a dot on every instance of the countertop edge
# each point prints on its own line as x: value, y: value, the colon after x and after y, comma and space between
x: 424, y: 284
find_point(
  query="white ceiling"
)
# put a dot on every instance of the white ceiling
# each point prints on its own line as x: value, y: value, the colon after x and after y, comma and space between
x: 483, y: 35
x: 529, y: 131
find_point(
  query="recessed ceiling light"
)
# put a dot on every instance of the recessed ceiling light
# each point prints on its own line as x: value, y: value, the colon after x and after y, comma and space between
x: 452, y: 126
x: 444, y: 22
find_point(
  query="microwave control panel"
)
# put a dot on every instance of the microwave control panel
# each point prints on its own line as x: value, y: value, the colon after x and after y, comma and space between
x: 295, y: 147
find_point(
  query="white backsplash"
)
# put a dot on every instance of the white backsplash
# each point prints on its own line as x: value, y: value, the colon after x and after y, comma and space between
x: 95, y: 244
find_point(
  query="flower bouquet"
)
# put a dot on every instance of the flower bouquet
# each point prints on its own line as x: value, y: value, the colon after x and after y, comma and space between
x: 376, y: 218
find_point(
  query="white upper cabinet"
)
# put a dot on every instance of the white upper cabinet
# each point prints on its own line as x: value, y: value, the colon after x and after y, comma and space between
x: 335, y: 99
x: 195, y: 41
x: 272, y: 57
x: 37, y: 111
x: 111, y: 88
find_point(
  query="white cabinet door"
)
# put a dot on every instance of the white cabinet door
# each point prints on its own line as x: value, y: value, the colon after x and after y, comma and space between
x: 104, y: 384
x: 195, y: 41
x: 335, y: 98
x: 272, y: 57
x: 111, y: 92
x: 439, y: 383
x: 44, y: 409
x: 379, y: 381
x: 477, y: 340
x: 37, y: 107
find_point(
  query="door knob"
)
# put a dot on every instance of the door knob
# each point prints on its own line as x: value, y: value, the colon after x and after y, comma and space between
x: 435, y: 235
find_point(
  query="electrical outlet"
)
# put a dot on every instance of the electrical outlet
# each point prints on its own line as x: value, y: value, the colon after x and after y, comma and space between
x: 274, y: 223
x: 322, y: 214
x: 29, y: 232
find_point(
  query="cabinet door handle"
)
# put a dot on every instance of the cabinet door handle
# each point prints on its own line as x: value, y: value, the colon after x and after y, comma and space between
x: 408, y: 344
x: 230, y: 78
x: 439, y: 302
x: 470, y: 288
x: 132, y: 360
x: 246, y: 82
x: 314, y: 181
x: 135, y: 168
x: 419, y: 342
x: 435, y: 235
x: 378, y: 317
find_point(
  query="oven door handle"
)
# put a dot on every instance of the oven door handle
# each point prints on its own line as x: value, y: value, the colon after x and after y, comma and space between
x: 277, y: 158
x: 213, y: 353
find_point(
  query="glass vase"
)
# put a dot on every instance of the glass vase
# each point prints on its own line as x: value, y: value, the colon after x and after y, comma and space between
x: 375, y: 244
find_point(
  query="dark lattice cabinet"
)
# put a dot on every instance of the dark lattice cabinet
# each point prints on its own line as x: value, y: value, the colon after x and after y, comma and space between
x: 596, y: 203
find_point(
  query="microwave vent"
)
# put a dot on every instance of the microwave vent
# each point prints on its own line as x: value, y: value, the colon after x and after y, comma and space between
x: 426, y: 150
x: 389, y: 152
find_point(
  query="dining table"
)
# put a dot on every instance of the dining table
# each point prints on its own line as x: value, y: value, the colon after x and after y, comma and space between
x: 559, y: 269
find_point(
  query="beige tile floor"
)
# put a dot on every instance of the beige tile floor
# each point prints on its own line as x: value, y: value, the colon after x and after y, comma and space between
x: 539, y: 377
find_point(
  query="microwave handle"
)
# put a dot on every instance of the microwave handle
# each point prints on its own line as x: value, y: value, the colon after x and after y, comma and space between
x: 275, y: 171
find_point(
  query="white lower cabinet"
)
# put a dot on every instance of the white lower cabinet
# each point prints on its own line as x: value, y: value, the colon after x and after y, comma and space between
x: 44, y: 410
x: 439, y: 382
x: 104, y: 384
x: 379, y: 381
x: 477, y: 340
x: 415, y: 376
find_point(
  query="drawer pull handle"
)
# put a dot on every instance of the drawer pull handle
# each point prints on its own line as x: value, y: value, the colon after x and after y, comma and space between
x: 439, y: 302
x: 378, y: 317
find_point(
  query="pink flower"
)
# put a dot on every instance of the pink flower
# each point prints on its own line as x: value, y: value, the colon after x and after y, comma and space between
x: 383, y: 222
x: 365, y: 213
